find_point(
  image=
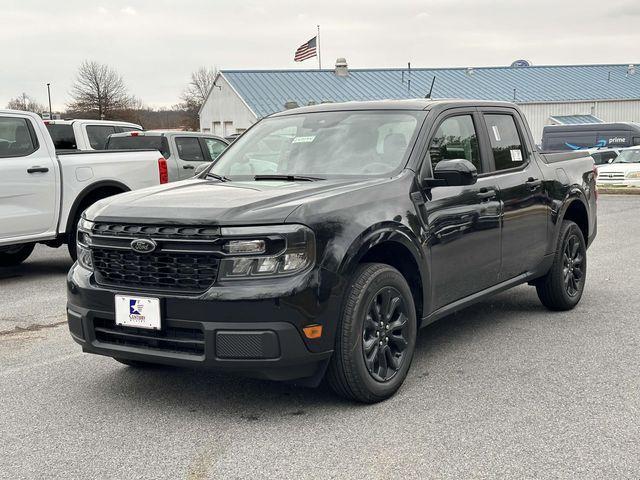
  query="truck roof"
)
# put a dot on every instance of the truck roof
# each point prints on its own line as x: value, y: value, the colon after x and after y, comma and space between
x: 88, y: 120
x: 409, y: 104
x: 164, y: 133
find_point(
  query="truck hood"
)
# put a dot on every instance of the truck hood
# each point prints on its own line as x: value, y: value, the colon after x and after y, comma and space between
x: 206, y: 202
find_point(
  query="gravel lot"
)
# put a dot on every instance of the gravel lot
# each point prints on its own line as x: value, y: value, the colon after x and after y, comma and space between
x: 504, y: 389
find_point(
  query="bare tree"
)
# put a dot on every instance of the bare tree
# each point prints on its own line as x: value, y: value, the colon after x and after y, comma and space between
x: 195, y: 93
x: 99, y: 90
x: 25, y: 102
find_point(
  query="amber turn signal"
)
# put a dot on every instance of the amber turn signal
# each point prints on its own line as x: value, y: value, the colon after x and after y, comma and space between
x: 312, y: 331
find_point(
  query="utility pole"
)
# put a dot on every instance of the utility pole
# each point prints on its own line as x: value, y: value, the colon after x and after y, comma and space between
x: 49, y: 95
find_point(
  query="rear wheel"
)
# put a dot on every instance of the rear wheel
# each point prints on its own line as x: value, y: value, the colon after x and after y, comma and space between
x: 15, y: 254
x: 561, y: 288
x: 376, y: 337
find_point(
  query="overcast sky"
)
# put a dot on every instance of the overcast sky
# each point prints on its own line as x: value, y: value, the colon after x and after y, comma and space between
x: 156, y: 44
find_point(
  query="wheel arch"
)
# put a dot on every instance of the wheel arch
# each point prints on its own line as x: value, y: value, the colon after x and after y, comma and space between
x: 576, y: 209
x: 108, y: 187
x: 397, y: 246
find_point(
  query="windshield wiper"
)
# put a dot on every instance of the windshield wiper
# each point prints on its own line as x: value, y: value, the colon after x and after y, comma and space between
x: 288, y: 178
x: 222, y: 178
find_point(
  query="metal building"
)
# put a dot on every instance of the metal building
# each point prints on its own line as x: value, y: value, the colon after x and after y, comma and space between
x: 239, y: 98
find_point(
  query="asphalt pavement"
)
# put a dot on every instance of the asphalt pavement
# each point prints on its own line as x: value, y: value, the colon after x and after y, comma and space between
x: 504, y: 389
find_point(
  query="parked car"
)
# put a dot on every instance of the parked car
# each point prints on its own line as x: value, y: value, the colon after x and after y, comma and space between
x: 590, y: 135
x: 624, y: 171
x: 603, y: 156
x: 43, y: 192
x: 85, y: 134
x: 325, y: 257
x: 184, y: 151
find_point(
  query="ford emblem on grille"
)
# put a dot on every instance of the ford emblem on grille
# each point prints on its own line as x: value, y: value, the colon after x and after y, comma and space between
x: 143, y: 245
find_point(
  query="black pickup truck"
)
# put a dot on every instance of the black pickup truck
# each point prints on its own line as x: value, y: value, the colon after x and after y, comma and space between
x: 321, y: 240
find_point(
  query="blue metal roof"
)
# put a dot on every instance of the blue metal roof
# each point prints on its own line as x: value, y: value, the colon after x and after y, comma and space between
x: 266, y: 91
x: 574, y: 119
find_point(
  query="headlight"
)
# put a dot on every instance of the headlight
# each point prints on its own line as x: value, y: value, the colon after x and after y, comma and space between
x: 83, y: 241
x: 633, y: 175
x: 272, y: 251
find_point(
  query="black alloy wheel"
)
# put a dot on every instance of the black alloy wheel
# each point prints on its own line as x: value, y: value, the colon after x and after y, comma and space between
x: 376, y: 335
x: 562, y: 286
x: 385, y: 334
x: 573, y: 261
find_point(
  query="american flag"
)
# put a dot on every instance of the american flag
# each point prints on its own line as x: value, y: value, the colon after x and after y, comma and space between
x: 306, y: 50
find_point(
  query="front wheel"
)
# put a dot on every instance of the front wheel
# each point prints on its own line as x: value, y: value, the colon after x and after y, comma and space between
x: 376, y: 336
x: 561, y: 288
x: 12, y: 255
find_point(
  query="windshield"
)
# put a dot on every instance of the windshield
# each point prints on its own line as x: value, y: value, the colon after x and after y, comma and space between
x: 153, y: 142
x: 628, y: 156
x: 323, y: 144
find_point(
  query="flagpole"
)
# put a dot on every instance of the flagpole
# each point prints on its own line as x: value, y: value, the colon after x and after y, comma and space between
x: 318, y: 42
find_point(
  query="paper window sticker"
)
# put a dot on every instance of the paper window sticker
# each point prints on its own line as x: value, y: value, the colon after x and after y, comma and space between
x: 516, y: 155
x: 307, y: 139
x: 496, y: 132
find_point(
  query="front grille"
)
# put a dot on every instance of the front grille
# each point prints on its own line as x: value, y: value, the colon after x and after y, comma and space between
x: 156, y: 231
x: 186, y: 258
x: 179, y: 272
x: 188, y: 341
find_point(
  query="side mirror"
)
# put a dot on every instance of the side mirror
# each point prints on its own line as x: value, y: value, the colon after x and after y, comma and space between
x: 610, y: 160
x: 200, y: 168
x: 453, y: 173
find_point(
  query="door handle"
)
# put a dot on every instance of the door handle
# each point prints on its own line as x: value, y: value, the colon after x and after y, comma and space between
x: 188, y: 167
x: 37, y: 169
x: 533, y: 183
x: 486, y: 193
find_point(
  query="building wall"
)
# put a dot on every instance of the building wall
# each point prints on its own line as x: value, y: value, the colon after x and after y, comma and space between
x: 224, y: 112
x: 609, y: 111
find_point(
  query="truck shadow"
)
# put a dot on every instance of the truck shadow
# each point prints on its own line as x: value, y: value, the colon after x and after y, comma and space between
x: 38, y: 267
x: 251, y: 400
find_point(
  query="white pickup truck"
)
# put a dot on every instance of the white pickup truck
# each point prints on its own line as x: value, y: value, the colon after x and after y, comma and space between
x: 43, y: 193
x: 85, y: 134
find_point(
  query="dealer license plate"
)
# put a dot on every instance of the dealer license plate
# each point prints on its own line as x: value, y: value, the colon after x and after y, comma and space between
x: 138, y: 312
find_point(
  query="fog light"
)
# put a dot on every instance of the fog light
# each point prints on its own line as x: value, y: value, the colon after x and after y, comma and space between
x: 312, y: 331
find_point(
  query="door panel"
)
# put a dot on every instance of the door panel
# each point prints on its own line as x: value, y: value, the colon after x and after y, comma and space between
x: 27, y: 181
x: 463, y: 240
x: 189, y: 155
x: 462, y: 222
x: 525, y: 208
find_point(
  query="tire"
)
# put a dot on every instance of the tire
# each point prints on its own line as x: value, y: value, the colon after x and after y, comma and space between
x: 376, y: 291
x: 136, y: 363
x: 561, y: 288
x: 12, y: 255
x: 71, y: 236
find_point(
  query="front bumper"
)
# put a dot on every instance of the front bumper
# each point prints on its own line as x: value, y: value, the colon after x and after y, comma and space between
x: 256, y: 334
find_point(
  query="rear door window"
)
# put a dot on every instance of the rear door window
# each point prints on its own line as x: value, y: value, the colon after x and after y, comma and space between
x: 62, y: 136
x: 455, y: 139
x: 98, y: 135
x: 214, y: 147
x: 189, y: 149
x: 16, y: 138
x: 505, y: 141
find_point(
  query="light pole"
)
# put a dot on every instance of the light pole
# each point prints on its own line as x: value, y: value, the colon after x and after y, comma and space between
x: 49, y: 94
